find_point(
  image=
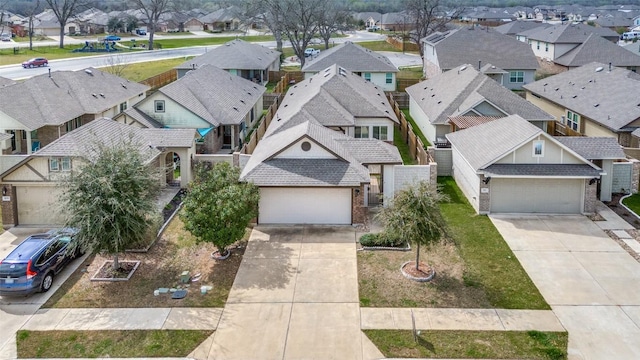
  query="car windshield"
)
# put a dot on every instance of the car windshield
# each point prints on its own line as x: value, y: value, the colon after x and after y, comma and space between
x: 30, y: 60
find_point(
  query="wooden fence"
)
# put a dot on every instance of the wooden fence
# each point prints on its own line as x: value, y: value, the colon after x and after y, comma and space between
x: 259, y: 131
x: 160, y: 80
x: 417, y: 149
x: 286, y: 78
x: 398, y: 44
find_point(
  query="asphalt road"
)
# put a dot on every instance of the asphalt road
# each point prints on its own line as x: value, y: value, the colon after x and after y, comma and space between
x: 17, y: 72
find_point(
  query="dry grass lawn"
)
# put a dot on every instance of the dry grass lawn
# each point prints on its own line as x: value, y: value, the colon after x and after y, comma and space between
x: 174, y: 253
x: 382, y: 284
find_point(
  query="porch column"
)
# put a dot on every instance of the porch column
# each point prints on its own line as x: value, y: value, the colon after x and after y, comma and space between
x: 28, y: 141
x: 233, y: 136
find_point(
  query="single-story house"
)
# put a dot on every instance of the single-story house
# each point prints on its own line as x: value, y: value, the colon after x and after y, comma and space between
x: 465, y: 91
x: 598, y: 49
x: 523, y: 170
x: 41, y: 109
x: 31, y: 187
x: 225, y: 19
x: 593, y: 100
x: 221, y: 106
x: 363, y: 62
x: 448, y: 50
x: 238, y: 57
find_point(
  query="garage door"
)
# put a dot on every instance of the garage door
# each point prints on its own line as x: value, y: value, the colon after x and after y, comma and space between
x: 551, y: 196
x: 305, y: 206
x: 36, y: 206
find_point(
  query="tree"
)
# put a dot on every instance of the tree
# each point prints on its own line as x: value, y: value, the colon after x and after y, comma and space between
x: 152, y: 10
x: 427, y: 16
x: 268, y: 12
x: 300, y: 23
x: 115, y: 24
x: 218, y: 207
x: 116, y: 65
x: 31, y: 12
x: 64, y: 10
x: 331, y: 18
x: 414, y: 216
x: 110, y: 199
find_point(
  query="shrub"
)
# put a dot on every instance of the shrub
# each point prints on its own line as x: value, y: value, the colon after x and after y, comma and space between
x: 381, y: 239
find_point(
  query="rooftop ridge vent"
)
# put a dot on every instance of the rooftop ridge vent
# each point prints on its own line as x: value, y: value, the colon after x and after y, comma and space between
x: 599, y: 69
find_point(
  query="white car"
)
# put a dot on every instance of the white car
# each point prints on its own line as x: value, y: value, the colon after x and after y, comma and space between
x: 311, y: 52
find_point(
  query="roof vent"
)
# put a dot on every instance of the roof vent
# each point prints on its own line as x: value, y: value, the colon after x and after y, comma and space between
x: 596, y: 105
x: 235, y: 108
x: 599, y: 68
x: 463, y: 68
x: 439, y: 101
x: 94, y: 95
x: 242, y: 101
x: 123, y: 85
x: 101, y: 94
x: 556, y: 89
x: 88, y: 71
x: 574, y: 96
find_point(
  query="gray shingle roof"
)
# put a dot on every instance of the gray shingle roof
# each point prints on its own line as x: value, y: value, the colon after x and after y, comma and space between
x: 455, y: 92
x: 466, y: 46
x: 332, y: 97
x: 569, y: 33
x: 6, y: 82
x: 570, y: 170
x: 371, y: 151
x: 215, y: 95
x: 81, y: 141
x: 515, y: 27
x: 581, y: 89
x: 593, y: 148
x: 64, y: 95
x: 142, y: 118
x: 236, y: 54
x: 352, y: 57
x: 596, y: 48
x: 484, y: 144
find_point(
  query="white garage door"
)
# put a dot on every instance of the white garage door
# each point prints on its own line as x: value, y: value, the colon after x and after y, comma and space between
x: 37, y: 206
x: 305, y: 206
x: 551, y: 196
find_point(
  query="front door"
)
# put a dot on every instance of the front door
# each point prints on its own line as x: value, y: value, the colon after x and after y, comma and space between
x: 226, y: 136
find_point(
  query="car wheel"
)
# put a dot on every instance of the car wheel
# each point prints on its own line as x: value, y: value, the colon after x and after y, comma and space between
x: 47, y: 282
x: 31, y: 65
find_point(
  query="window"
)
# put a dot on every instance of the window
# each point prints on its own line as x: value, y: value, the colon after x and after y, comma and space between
x: 573, y: 121
x: 380, y: 132
x: 60, y: 164
x: 546, y: 47
x: 538, y: 45
x: 367, y: 76
x: 123, y: 106
x: 516, y: 76
x: 73, y: 124
x: 362, y: 132
x: 159, y: 105
x: 538, y: 148
x: 389, y: 78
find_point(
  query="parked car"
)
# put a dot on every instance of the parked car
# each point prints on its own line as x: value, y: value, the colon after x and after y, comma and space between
x: 32, y: 265
x: 311, y: 52
x: 40, y: 61
x: 141, y: 32
x: 5, y: 37
x: 112, y: 38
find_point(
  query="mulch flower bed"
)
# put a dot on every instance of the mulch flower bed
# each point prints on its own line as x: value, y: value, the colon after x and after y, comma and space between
x: 108, y: 273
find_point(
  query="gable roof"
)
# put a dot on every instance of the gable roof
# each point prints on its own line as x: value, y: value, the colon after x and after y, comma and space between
x: 456, y: 91
x: 603, y: 96
x: 139, y: 116
x: 220, y: 15
x: 352, y: 57
x: 593, y: 148
x: 597, y: 48
x: 57, y: 97
x: 236, y: 54
x: 81, y: 141
x: 333, y: 97
x: 569, y: 33
x: 215, y: 95
x: 468, y: 46
x: 515, y: 27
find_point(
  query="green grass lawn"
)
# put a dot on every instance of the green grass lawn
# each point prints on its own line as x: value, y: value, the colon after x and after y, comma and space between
x: 141, y: 71
x: 633, y: 203
x: 199, y: 41
x: 490, y: 262
x: 416, y: 129
x: 410, y: 72
x: 108, y: 343
x: 435, y: 344
x: 402, y: 148
x: 7, y: 57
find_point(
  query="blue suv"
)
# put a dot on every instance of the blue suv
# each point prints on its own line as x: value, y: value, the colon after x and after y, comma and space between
x: 31, y: 266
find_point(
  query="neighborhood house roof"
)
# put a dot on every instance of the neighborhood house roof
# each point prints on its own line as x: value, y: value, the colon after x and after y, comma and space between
x: 352, y: 57
x: 215, y: 95
x: 236, y: 54
x: 333, y: 97
x: 594, y: 148
x: 596, y: 48
x: 468, y: 46
x: 595, y: 92
x: 60, y: 96
x: 464, y: 122
x: 515, y: 27
x: 569, y: 33
x: 141, y: 117
x: 456, y: 92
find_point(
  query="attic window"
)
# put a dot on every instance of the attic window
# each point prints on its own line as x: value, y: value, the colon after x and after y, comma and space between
x: 305, y: 146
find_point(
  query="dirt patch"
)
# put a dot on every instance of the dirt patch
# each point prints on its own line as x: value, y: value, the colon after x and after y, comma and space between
x: 548, y: 68
x: 107, y: 272
x: 381, y: 283
x: 161, y: 267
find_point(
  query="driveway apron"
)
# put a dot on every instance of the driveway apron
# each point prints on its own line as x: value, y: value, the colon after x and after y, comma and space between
x: 295, y: 297
x: 591, y: 282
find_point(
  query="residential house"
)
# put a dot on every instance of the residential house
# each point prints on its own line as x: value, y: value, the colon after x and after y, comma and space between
x: 593, y: 100
x: 598, y: 49
x: 223, y: 107
x: 41, y: 109
x: 370, y: 19
x: 515, y: 27
x: 225, y: 19
x: 467, y: 92
x: 363, y: 62
x: 31, y: 188
x: 615, y: 21
x: 238, y: 57
x: 552, y: 42
x: 448, y: 50
x: 91, y: 21
x: 193, y: 24
x: 46, y: 24
x: 341, y: 101
x: 522, y: 170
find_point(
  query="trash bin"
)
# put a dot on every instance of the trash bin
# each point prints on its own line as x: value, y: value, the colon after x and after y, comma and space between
x: 16, y: 50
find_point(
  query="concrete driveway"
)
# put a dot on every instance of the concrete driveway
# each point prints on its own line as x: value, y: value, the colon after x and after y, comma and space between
x: 591, y: 282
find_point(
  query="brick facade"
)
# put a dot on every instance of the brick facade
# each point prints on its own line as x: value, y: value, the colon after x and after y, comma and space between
x: 9, y: 208
x: 484, y: 201
x: 635, y: 175
x: 358, y: 211
x: 590, y: 197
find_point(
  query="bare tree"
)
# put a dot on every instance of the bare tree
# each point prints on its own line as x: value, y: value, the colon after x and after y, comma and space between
x: 427, y: 16
x: 30, y: 14
x: 64, y: 10
x: 3, y: 14
x: 269, y: 12
x: 152, y: 9
x: 300, y: 23
x: 116, y: 65
x: 332, y: 17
